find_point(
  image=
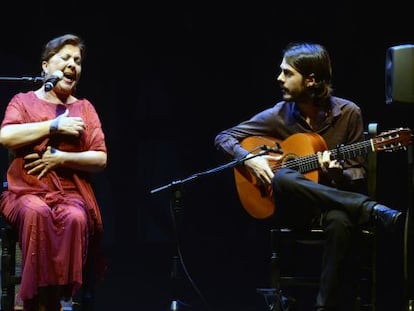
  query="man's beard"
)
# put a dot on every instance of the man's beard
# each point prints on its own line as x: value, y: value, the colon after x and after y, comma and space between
x: 303, y: 96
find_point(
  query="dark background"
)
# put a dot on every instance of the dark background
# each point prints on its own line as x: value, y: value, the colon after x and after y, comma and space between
x: 165, y: 79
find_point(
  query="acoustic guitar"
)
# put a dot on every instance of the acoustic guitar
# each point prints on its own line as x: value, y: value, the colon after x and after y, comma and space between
x: 299, y: 152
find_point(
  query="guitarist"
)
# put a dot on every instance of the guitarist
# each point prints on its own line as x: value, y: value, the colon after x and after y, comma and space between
x: 338, y: 200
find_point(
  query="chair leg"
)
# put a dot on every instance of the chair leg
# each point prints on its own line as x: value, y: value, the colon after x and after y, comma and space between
x: 84, y: 298
x: 8, y: 262
x: 274, y: 259
x: 273, y: 296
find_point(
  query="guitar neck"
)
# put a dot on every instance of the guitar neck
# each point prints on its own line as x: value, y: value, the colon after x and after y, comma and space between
x: 310, y: 162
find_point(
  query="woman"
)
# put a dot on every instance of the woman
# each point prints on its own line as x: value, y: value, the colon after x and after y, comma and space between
x: 56, y: 141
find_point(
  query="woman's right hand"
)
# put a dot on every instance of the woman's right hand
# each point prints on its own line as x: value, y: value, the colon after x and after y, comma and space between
x: 67, y: 125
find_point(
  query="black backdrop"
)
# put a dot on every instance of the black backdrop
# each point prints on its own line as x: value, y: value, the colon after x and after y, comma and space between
x: 166, y: 78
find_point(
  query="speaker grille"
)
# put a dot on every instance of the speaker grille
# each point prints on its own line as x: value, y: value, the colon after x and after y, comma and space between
x: 399, y: 74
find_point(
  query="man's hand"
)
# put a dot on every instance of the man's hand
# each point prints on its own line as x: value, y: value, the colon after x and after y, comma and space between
x: 259, y: 167
x: 333, y: 168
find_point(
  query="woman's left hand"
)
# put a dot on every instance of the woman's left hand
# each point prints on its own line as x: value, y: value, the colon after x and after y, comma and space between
x: 41, y: 164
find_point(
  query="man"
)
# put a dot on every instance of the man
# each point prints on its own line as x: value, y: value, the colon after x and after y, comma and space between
x: 337, y: 198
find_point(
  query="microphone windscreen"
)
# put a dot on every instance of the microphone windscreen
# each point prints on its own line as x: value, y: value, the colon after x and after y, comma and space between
x: 58, y: 74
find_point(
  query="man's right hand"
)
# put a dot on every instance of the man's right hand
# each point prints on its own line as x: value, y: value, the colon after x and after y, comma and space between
x: 259, y: 167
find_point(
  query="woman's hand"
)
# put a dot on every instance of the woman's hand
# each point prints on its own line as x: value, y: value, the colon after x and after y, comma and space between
x: 42, y: 164
x: 67, y: 125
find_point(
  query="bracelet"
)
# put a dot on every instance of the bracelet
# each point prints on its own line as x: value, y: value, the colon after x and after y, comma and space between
x: 54, y: 125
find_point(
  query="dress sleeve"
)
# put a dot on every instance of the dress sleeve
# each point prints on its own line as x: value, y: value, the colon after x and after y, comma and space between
x: 95, y: 139
x: 13, y: 113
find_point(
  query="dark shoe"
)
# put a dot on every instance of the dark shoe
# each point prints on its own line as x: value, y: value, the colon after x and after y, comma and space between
x: 388, y: 217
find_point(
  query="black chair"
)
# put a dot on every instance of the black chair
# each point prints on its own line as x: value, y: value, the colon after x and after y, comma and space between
x: 10, y: 265
x: 292, y: 251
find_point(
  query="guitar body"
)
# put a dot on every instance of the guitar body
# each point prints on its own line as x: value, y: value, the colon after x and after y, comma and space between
x: 256, y: 198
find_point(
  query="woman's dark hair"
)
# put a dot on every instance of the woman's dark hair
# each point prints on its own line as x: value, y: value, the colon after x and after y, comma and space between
x: 311, y: 59
x: 54, y: 45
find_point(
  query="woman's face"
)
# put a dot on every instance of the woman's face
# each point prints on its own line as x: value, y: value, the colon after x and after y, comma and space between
x: 69, y: 61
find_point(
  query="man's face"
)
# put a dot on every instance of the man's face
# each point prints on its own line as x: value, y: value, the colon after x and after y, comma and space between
x: 291, y: 82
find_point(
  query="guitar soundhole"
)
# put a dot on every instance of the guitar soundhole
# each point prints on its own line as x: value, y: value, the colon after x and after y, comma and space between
x: 263, y: 191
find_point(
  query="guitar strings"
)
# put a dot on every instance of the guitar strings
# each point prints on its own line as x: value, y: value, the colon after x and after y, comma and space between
x: 343, y: 152
x: 310, y: 162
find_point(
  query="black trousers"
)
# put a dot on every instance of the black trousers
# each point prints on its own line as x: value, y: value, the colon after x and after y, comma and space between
x: 299, y: 201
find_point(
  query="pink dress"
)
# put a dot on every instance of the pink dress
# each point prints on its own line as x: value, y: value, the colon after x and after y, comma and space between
x: 57, y: 217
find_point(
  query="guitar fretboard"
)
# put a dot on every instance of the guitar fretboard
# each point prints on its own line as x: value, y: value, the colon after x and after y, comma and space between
x: 309, y: 163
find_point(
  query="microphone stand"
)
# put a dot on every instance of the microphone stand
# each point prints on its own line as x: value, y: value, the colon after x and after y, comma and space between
x: 30, y: 79
x: 176, y: 208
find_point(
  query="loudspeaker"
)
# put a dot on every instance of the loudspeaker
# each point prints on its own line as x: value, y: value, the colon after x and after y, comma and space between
x: 399, y: 74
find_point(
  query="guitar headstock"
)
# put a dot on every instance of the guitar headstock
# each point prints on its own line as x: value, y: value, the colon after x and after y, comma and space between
x: 393, y: 140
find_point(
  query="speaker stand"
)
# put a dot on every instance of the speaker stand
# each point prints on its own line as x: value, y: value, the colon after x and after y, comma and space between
x: 409, y: 237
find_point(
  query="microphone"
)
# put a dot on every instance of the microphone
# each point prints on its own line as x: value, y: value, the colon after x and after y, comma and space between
x: 53, y: 80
